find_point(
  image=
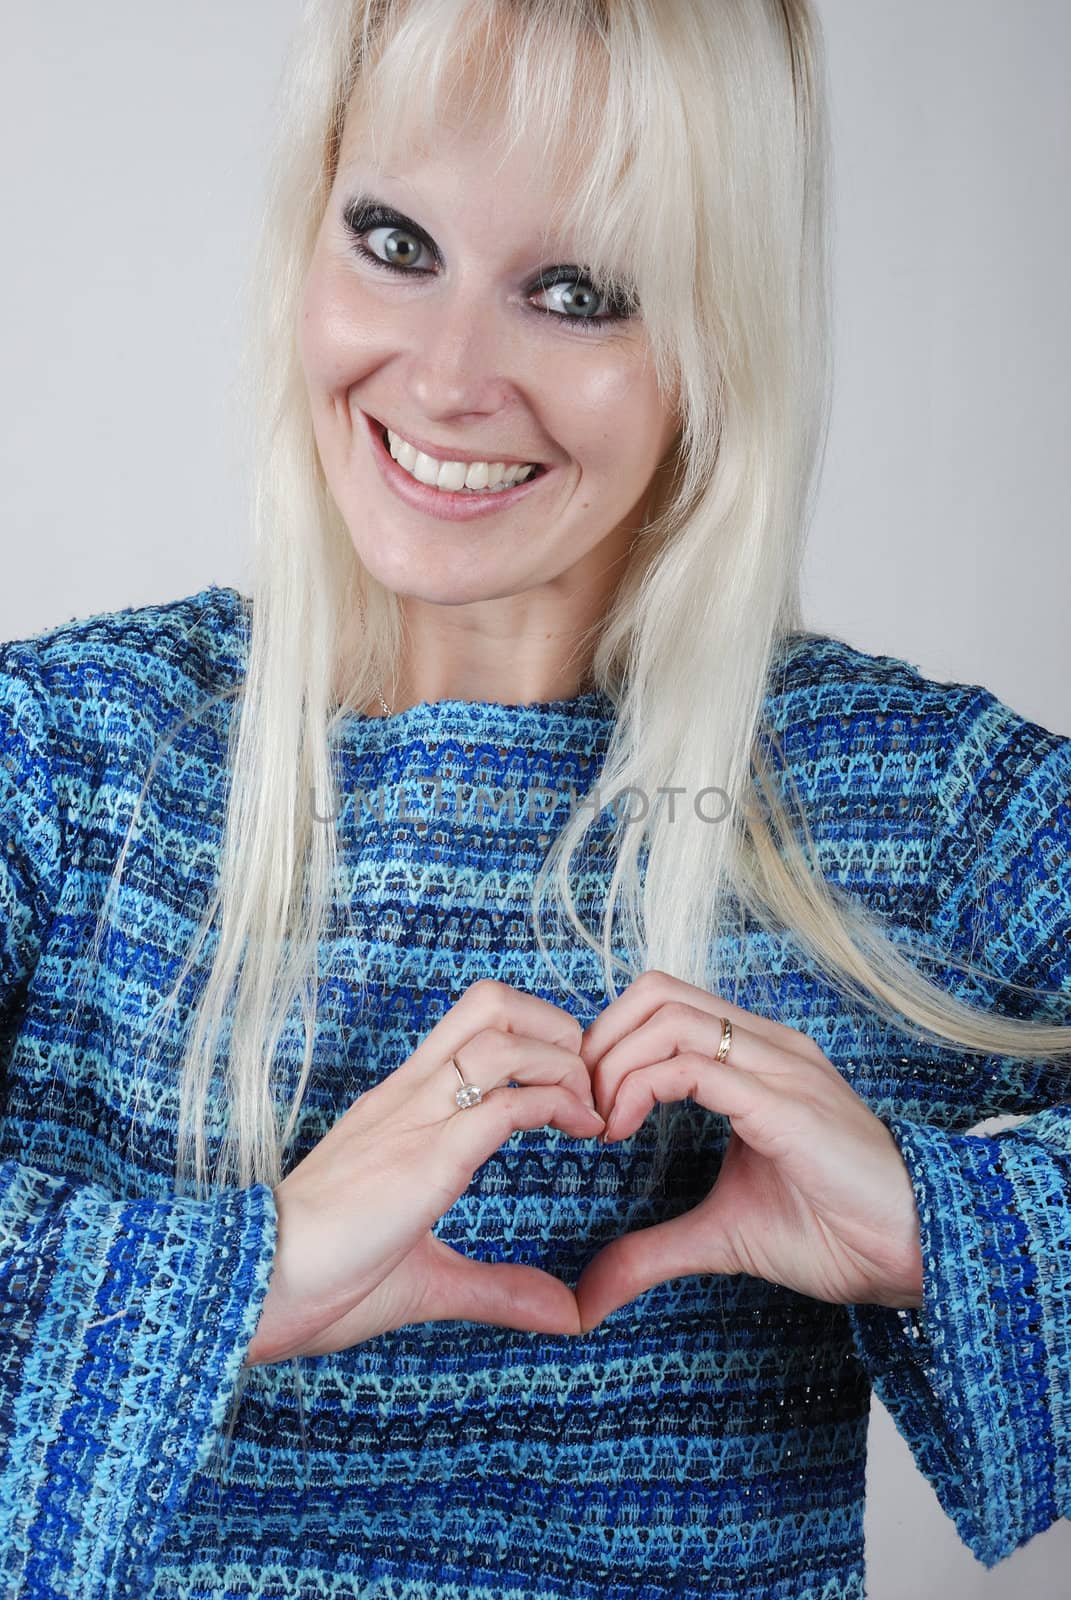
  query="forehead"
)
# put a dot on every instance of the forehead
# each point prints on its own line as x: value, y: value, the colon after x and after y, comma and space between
x: 466, y: 160
x: 506, y: 81
x: 411, y: 139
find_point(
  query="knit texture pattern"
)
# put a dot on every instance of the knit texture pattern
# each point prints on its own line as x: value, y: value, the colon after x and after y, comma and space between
x: 709, y: 1439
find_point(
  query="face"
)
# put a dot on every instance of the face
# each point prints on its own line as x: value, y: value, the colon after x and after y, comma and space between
x: 434, y: 308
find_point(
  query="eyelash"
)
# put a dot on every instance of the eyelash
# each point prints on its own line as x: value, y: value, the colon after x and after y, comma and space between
x: 370, y: 220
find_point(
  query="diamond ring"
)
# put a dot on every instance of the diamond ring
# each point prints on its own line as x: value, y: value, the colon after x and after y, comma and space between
x: 469, y: 1094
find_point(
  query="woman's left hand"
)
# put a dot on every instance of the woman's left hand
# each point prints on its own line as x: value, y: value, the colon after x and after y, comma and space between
x: 813, y: 1193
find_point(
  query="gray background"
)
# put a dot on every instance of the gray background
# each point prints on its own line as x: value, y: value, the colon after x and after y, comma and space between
x: 131, y: 166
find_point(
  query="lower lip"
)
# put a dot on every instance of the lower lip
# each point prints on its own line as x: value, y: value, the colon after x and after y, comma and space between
x: 448, y: 504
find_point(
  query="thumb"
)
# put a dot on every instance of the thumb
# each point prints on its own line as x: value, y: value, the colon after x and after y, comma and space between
x: 510, y: 1296
x: 635, y: 1262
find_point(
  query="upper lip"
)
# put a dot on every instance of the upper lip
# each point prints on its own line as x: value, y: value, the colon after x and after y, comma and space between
x: 437, y: 453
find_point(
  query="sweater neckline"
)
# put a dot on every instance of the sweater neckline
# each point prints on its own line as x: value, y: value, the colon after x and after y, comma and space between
x: 588, y: 704
x: 576, y: 725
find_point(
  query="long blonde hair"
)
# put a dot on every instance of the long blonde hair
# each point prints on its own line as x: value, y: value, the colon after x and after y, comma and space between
x: 704, y: 185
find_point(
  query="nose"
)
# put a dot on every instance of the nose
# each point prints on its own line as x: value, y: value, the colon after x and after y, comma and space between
x: 460, y: 353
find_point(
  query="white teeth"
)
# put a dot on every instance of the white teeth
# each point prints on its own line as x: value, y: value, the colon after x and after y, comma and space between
x: 487, y: 476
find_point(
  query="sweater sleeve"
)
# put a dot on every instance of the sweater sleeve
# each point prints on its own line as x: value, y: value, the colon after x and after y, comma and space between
x: 978, y: 1380
x: 123, y: 1322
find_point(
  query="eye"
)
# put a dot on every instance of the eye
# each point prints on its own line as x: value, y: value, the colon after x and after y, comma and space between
x: 404, y: 242
x: 401, y: 247
x: 581, y: 297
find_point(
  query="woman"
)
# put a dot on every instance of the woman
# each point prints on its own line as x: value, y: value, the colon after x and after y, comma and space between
x: 594, y: 1231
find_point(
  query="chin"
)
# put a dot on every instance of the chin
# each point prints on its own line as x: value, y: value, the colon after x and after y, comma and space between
x: 420, y: 580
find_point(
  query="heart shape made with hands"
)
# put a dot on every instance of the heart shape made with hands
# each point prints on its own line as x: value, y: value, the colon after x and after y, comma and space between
x: 813, y: 1192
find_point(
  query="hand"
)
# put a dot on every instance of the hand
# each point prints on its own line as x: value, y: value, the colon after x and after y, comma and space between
x: 354, y: 1254
x: 813, y: 1192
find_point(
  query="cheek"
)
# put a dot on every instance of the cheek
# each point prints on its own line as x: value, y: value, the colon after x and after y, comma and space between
x: 617, y: 417
x: 316, y: 340
x: 330, y: 330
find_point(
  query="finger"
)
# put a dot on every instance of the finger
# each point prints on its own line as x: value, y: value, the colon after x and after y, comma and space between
x: 474, y: 1133
x: 653, y: 989
x: 491, y: 1004
x: 676, y: 1028
x: 493, y: 1058
x: 507, y: 1295
x: 635, y: 1262
x: 757, y: 1110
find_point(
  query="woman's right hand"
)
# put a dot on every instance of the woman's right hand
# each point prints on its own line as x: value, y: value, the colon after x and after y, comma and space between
x: 354, y: 1254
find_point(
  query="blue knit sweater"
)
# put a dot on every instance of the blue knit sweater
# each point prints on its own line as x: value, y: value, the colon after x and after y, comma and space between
x: 706, y: 1440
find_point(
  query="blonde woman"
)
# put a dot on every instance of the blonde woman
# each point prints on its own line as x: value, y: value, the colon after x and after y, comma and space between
x: 495, y: 1018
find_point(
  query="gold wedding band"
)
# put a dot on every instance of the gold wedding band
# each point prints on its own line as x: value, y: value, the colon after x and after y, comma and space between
x: 469, y: 1094
x: 726, y: 1039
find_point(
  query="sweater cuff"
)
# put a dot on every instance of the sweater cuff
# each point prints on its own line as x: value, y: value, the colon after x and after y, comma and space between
x: 126, y: 1324
x: 978, y: 1379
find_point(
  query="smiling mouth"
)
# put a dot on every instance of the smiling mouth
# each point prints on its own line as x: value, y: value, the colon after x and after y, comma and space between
x: 467, y: 503
x: 406, y: 456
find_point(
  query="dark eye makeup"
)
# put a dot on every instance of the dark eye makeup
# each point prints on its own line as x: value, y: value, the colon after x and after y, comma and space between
x: 365, y: 215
